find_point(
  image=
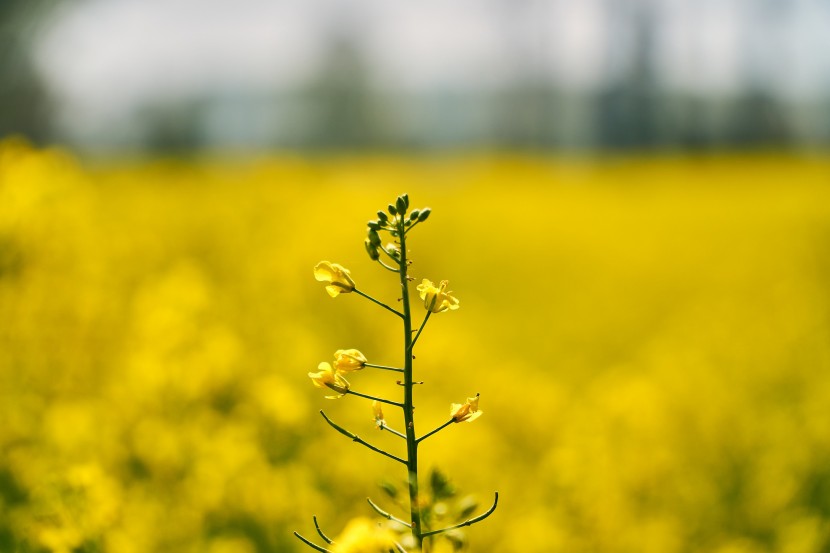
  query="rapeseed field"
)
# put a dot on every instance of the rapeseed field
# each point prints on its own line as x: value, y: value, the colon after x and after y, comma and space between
x: 650, y: 337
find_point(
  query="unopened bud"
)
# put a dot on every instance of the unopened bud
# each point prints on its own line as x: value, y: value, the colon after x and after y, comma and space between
x: 406, y: 200
x: 392, y: 209
x: 424, y: 214
x: 413, y: 215
x: 373, y: 225
x: 400, y: 203
x: 374, y: 238
x: 382, y: 216
x: 374, y: 254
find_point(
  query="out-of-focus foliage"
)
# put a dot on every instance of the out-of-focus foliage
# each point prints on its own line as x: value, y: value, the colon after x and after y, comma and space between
x: 650, y: 338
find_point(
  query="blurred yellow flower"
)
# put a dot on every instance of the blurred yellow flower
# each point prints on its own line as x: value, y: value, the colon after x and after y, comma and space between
x: 337, y: 276
x: 437, y: 299
x: 348, y: 360
x: 378, y: 410
x: 362, y: 535
x: 327, y: 377
x: 467, y: 411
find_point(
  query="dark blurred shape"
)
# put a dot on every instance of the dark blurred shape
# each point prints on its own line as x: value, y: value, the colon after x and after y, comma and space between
x: 25, y: 102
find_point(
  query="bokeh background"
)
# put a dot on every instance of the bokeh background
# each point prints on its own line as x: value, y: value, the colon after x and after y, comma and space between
x: 630, y: 199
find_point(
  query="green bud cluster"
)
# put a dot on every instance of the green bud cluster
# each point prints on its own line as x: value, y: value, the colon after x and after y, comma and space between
x: 390, y: 221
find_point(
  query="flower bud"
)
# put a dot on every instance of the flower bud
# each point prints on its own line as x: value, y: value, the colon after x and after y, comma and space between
x: 424, y: 214
x: 392, y: 209
x: 382, y: 216
x: 400, y: 204
x: 413, y: 215
x: 374, y: 238
x: 373, y: 225
x: 374, y: 254
x: 405, y: 200
x: 348, y: 360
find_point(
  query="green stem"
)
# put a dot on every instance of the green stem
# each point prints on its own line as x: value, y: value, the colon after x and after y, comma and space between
x: 384, y: 514
x: 384, y: 367
x: 380, y: 399
x: 310, y: 544
x: 385, y: 266
x: 392, y: 430
x: 408, y: 409
x: 319, y: 531
x: 418, y: 334
x: 380, y: 303
x: 469, y: 522
x: 443, y: 426
x: 360, y: 440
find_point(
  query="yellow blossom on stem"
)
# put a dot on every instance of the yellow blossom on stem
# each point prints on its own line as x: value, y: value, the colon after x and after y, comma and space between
x: 348, y: 360
x: 467, y: 411
x: 437, y: 299
x: 378, y: 410
x: 338, y: 277
x: 328, y: 378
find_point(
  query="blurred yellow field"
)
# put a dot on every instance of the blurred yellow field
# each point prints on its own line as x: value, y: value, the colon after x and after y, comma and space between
x: 650, y: 338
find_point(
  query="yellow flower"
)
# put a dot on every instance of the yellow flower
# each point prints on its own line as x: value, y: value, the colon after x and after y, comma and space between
x: 364, y: 536
x: 348, y: 360
x: 326, y: 377
x: 437, y: 299
x: 467, y: 411
x: 378, y: 410
x: 337, y: 276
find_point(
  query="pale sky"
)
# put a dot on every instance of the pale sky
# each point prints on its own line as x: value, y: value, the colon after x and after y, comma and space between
x: 105, y: 56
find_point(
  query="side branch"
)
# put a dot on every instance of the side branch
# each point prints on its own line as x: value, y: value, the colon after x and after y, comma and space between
x: 319, y: 531
x: 384, y: 367
x: 380, y: 399
x: 469, y: 522
x: 430, y: 433
x: 380, y: 303
x: 418, y: 335
x: 388, y: 428
x: 386, y: 515
x: 310, y: 544
x: 359, y: 440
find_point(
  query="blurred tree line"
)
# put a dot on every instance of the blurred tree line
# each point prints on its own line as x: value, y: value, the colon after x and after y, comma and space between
x: 26, y: 105
x: 342, y: 106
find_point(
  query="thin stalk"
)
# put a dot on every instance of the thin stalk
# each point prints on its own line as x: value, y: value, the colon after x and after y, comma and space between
x: 421, y: 329
x: 320, y: 531
x: 380, y: 399
x: 443, y: 426
x: 310, y: 544
x: 408, y: 409
x: 469, y: 522
x: 384, y: 426
x: 380, y: 303
x: 384, y: 514
x: 360, y: 440
x: 384, y: 367
x: 385, y: 266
